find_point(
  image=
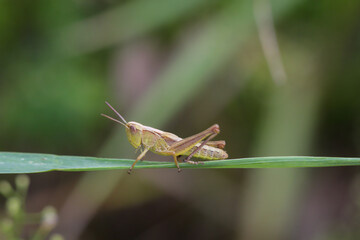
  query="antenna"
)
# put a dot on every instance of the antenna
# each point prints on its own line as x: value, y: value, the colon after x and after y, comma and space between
x: 115, y: 120
x: 116, y: 112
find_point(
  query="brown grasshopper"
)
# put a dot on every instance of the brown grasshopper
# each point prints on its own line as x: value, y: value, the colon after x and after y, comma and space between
x: 168, y: 144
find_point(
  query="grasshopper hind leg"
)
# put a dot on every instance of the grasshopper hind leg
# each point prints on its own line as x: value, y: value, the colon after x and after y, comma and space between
x: 189, y: 161
x: 193, y: 162
x: 215, y: 131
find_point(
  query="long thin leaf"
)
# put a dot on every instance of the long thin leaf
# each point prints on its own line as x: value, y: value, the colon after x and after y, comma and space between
x: 12, y: 162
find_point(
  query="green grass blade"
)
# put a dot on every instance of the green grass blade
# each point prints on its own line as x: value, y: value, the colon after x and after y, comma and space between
x: 11, y: 162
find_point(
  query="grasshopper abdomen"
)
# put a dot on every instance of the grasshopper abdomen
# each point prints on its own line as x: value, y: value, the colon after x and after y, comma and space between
x: 209, y: 153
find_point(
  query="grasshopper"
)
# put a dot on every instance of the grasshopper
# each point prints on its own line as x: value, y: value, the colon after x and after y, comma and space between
x: 168, y: 144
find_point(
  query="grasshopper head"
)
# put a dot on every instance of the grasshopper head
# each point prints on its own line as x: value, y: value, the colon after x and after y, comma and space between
x: 133, y: 132
x: 133, y: 129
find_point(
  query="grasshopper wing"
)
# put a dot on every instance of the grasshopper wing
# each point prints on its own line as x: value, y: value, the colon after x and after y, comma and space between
x: 218, y: 144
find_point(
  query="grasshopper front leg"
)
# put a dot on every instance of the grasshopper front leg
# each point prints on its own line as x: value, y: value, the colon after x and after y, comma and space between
x: 142, y: 154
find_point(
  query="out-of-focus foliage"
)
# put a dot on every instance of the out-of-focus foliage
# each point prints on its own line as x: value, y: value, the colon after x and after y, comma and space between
x: 182, y: 66
x: 12, y: 225
x: 42, y: 94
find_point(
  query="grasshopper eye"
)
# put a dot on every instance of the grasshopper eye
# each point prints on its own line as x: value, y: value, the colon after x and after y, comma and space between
x: 132, y: 129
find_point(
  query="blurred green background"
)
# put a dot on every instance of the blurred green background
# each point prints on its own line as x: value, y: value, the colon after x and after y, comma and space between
x: 279, y: 77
